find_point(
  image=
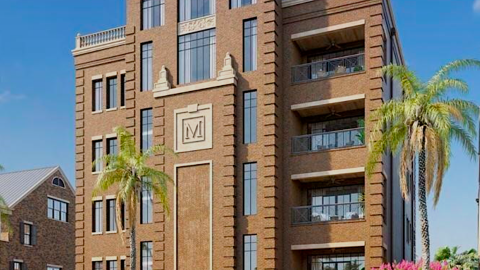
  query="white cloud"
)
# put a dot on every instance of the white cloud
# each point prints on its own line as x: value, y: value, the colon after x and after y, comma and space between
x: 6, y: 96
x: 476, y: 6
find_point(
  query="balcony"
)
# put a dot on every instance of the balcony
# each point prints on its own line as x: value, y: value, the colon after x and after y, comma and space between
x: 328, y: 140
x: 100, y: 40
x: 324, y: 213
x: 328, y: 68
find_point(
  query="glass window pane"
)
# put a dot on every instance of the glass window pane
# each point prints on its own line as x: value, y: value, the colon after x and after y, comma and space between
x: 196, y: 56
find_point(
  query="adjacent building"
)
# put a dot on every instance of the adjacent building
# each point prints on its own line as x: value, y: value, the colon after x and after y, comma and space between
x: 40, y: 232
x: 267, y: 104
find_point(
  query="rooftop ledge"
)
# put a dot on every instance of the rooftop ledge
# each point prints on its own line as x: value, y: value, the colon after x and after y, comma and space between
x: 99, y: 41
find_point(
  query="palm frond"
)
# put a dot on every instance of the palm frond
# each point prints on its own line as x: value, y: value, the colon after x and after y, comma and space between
x: 407, y: 78
x: 454, y: 66
x: 441, y: 87
x: 1, y: 168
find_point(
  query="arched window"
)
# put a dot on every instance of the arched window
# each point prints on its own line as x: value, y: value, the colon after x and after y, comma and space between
x: 58, y: 182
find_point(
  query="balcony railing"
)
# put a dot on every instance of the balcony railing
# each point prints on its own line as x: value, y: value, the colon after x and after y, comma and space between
x: 328, y: 140
x: 100, y: 38
x: 332, y: 67
x: 325, y: 213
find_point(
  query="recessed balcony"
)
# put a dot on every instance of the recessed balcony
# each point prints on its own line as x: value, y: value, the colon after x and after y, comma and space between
x: 331, y: 204
x: 328, y: 140
x: 318, y: 70
x: 328, y: 52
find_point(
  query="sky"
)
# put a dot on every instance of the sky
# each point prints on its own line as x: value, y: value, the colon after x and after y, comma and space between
x: 37, y: 92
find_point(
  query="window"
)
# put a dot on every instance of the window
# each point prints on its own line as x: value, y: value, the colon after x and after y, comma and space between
x: 57, y: 210
x: 97, y: 265
x: 147, y: 129
x: 112, y: 146
x: 196, y: 56
x: 58, y: 182
x: 97, y: 156
x: 250, y: 45
x: 122, y: 265
x: 147, y: 255
x: 192, y: 9
x: 147, y: 66
x: 250, y: 117
x: 153, y: 13
x: 111, y: 215
x: 111, y: 93
x: 97, y: 217
x: 97, y: 95
x: 337, y: 262
x: 28, y: 234
x: 241, y: 3
x: 250, y: 188
x: 53, y: 268
x: 249, y: 252
x: 124, y: 216
x: 112, y: 265
x: 17, y: 266
x: 122, y: 90
x: 146, y: 211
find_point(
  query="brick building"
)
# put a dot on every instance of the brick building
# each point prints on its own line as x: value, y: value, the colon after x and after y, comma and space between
x: 267, y: 104
x: 40, y: 234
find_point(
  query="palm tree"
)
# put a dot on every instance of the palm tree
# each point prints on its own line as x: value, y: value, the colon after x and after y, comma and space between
x: 467, y: 260
x: 422, y: 125
x: 126, y: 170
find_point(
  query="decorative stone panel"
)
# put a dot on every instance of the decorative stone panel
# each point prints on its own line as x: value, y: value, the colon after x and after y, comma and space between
x: 193, y: 128
x: 196, y: 25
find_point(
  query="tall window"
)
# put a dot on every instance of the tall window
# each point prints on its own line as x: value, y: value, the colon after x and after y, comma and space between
x: 111, y: 92
x: 57, y: 210
x: 97, y: 95
x: 196, y: 56
x: 17, y: 266
x: 112, y: 146
x: 28, y: 234
x: 122, y: 90
x: 147, y: 255
x: 250, y: 45
x: 97, y: 156
x: 192, y: 9
x: 122, y: 265
x: 97, y: 266
x: 111, y: 215
x: 250, y: 188
x: 53, y: 268
x: 147, y: 66
x: 337, y: 262
x: 147, y: 129
x: 147, y: 202
x: 97, y: 217
x: 153, y: 13
x: 112, y: 265
x: 250, y: 252
x: 250, y: 117
x: 241, y: 3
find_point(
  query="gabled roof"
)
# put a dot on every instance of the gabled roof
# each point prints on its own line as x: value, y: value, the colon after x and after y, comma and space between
x: 15, y: 186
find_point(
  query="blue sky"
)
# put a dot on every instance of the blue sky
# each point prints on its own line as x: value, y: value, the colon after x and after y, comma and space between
x: 37, y: 86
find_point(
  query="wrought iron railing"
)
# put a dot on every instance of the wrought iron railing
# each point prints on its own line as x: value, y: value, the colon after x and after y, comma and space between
x: 100, y: 38
x: 324, y: 69
x: 325, y: 213
x: 328, y: 140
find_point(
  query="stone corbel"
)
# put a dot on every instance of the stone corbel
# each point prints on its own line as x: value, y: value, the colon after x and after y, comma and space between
x: 227, y: 72
x: 163, y: 84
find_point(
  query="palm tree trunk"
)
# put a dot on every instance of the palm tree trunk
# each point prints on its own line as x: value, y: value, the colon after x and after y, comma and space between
x: 133, y: 249
x: 422, y: 208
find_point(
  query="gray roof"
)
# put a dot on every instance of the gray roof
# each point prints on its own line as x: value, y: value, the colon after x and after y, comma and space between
x: 14, y: 186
